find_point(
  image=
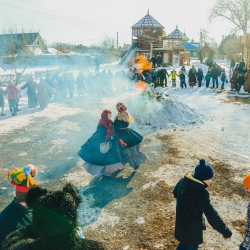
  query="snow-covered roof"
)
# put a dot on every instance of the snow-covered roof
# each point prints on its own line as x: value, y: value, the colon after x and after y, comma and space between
x: 147, y: 22
x: 176, y: 34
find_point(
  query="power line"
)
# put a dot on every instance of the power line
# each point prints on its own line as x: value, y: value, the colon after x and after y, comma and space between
x: 57, y: 16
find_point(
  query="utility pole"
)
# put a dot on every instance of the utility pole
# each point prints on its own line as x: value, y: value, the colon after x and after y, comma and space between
x: 117, y: 45
x: 117, y: 40
x: 201, y: 38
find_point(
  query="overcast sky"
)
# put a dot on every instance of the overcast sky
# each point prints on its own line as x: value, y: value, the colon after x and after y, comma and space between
x: 87, y: 21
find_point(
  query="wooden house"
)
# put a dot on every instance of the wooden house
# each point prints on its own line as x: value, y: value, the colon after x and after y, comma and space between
x: 150, y: 38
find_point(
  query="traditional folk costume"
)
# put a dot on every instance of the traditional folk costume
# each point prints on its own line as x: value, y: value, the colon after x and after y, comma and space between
x: 43, y: 93
x: 102, y: 152
x: 132, y: 153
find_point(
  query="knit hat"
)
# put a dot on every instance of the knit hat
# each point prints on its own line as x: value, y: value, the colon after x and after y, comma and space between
x: 246, y: 182
x: 22, y: 177
x: 203, y: 171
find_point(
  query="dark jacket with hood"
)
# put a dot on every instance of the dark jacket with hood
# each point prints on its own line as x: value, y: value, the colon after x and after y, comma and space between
x: 192, y: 201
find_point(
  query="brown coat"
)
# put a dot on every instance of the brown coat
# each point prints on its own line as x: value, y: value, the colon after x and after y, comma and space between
x: 247, y: 82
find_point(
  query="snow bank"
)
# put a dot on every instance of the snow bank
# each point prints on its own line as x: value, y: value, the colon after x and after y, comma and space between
x: 151, y: 115
x: 202, y: 66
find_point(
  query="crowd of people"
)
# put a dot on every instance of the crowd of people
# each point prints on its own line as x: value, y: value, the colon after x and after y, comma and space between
x: 60, y: 86
x: 159, y: 75
x: 240, y: 76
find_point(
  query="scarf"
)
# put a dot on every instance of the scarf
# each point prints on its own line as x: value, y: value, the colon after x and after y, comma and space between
x: 123, y: 114
x: 104, y: 121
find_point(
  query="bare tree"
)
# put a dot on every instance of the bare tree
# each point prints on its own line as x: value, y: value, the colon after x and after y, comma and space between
x: 235, y: 11
x: 206, y: 39
x: 15, y: 47
x: 107, y: 43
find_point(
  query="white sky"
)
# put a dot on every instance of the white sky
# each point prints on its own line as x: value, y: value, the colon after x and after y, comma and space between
x: 87, y: 22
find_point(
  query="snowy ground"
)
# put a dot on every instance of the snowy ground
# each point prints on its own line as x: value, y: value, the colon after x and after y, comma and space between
x: 136, y: 210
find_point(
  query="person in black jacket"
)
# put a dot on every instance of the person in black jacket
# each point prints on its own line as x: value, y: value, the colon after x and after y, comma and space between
x: 153, y: 60
x: 214, y: 74
x: 158, y: 60
x: 240, y: 82
x: 192, y: 200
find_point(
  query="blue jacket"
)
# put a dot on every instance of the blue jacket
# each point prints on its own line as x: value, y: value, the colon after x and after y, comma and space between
x: 223, y: 76
x: 200, y: 76
x: 182, y: 77
x: 208, y: 77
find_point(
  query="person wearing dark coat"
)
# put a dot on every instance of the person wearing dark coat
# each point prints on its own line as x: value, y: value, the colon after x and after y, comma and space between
x: 17, y: 214
x: 242, y: 64
x: 102, y: 151
x: 182, y: 76
x: 200, y: 77
x: 158, y: 60
x: 132, y: 153
x: 192, y: 74
x: 223, y: 78
x: 162, y: 73
x: 240, y: 82
x: 153, y: 60
x: 31, y: 92
x: 192, y: 201
x: 214, y: 74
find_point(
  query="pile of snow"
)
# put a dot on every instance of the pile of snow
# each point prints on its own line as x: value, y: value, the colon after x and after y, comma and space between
x: 152, y: 114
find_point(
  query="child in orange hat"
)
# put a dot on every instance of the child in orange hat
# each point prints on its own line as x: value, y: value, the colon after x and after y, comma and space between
x: 246, y: 242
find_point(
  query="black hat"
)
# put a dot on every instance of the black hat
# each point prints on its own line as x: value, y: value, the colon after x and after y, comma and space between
x: 203, y: 171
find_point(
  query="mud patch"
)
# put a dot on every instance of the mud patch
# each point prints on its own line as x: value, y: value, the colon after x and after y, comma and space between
x: 240, y: 99
x: 224, y: 181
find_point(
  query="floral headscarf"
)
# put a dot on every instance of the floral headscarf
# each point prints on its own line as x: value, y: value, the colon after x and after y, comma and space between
x: 123, y: 114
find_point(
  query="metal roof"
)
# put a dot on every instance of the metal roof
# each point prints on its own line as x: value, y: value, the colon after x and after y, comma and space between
x: 192, y: 46
x: 147, y: 22
x: 176, y: 35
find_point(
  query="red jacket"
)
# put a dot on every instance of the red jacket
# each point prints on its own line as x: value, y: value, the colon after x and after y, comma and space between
x: 12, y: 91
